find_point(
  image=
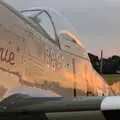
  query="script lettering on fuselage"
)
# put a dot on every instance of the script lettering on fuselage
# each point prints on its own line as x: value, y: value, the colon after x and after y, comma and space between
x: 54, y: 59
x: 7, y: 56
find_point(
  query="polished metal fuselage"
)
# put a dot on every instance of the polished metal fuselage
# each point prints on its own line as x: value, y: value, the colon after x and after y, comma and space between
x: 30, y: 59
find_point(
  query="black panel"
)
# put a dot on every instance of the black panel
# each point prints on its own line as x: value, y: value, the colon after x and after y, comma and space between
x: 23, y: 116
x: 112, y: 115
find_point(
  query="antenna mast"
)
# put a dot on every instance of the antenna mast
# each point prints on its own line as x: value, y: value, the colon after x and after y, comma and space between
x: 101, y: 62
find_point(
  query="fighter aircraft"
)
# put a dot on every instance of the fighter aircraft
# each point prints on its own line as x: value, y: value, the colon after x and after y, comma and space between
x: 45, y: 71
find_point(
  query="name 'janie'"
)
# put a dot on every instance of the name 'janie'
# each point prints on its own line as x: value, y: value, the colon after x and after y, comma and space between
x: 7, y: 56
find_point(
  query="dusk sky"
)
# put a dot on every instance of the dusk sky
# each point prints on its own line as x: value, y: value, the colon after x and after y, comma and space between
x: 97, y: 21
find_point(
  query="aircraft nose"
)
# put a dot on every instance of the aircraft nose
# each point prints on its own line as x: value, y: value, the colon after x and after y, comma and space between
x: 110, y: 107
x: 110, y: 103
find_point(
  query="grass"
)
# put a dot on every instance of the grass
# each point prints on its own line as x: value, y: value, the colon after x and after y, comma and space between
x: 112, y: 78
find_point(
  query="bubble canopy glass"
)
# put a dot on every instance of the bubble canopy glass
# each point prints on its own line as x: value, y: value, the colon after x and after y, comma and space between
x: 53, y: 23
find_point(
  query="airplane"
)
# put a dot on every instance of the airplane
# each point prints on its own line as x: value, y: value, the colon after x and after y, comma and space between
x: 45, y: 71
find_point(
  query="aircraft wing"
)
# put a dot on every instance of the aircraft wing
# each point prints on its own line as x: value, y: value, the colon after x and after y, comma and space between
x: 24, y: 107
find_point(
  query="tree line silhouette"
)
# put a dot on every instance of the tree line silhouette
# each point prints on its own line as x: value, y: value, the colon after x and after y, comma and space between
x: 110, y: 65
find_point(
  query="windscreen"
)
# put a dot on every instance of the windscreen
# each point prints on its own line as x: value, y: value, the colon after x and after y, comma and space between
x: 63, y: 26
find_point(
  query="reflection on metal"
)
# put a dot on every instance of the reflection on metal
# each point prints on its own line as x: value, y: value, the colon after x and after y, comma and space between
x: 72, y: 36
x: 29, y: 58
x: 116, y: 87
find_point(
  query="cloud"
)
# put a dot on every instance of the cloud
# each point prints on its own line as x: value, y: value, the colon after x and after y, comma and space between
x: 113, y: 2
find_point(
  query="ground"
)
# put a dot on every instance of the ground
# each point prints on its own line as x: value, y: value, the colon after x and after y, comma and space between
x: 112, y: 78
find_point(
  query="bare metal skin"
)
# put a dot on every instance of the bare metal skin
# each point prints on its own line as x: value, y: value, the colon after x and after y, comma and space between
x: 43, y: 67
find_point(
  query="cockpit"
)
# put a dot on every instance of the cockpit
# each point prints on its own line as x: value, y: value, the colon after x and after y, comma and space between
x: 54, y: 26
